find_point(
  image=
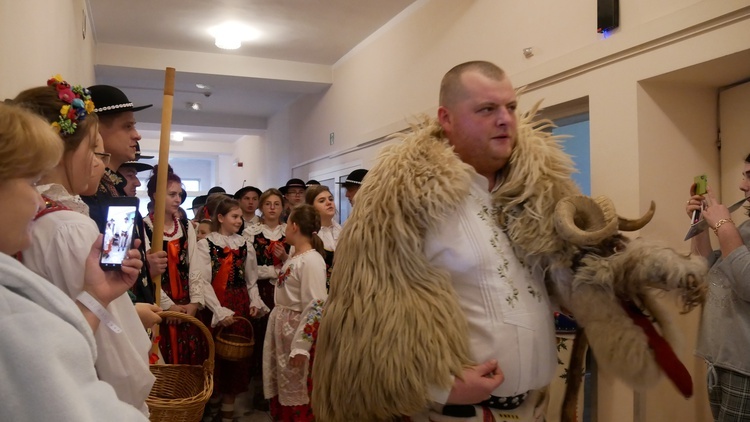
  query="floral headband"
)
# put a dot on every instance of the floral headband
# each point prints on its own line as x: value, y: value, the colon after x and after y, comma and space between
x: 78, y: 107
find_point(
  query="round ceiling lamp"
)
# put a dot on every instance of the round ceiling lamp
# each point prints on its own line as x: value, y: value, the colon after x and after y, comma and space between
x: 229, y: 35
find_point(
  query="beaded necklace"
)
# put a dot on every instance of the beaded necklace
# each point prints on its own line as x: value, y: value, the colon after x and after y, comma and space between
x: 176, y: 225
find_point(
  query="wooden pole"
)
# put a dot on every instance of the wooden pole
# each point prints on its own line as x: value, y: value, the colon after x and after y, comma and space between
x: 161, y: 180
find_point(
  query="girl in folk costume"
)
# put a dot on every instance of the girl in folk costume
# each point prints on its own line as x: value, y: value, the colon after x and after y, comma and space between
x: 292, y: 326
x: 271, y: 249
x: 225, y: 266
x: 63, y: 234
x: 203, y: 229
x: 180, y: 342
x: 321, y: 198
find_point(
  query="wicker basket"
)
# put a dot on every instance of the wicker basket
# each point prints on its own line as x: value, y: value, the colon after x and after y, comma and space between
x: 181, y: 391
x: 234, y: 346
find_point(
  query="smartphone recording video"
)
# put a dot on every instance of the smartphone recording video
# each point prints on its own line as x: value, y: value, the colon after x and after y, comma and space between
x: 118, y: 232
x: 701, y: 188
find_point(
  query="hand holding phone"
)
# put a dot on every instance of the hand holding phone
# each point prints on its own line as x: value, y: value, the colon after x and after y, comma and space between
x: 119, y: 231
x: 106, y: 286
x: 700, y: 187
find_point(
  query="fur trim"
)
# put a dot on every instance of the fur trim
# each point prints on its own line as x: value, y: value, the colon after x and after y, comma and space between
x: 536, y: 178
x: 392, y: 326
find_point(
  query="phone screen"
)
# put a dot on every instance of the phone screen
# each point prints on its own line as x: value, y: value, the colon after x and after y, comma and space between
x: 118, y: 234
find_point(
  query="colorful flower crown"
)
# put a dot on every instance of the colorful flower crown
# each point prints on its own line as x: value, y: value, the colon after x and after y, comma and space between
x: 80, y: 105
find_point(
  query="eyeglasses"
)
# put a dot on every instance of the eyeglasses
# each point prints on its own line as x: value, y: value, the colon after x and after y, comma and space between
x: 103, y: 157
x: 296, y: 192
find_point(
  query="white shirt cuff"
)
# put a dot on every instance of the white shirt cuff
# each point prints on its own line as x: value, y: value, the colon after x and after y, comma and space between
x: 438, y: 394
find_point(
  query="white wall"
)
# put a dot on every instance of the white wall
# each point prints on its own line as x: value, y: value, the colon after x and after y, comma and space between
x: 41, y: 38
x: 260, y: 168
x: 277, y: 151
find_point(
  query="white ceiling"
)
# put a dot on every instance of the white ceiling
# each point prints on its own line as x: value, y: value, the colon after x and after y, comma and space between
x: 296, y: 33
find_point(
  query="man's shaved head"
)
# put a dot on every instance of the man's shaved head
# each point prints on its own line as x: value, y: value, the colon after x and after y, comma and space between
x: 451, y: 87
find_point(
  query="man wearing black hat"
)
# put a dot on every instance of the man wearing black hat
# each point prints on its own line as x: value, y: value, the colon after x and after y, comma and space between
x: 198, y: 203
x: 248, y: 197
x: 130, y: 169
x: 352, y: 183
x: 117, y: 127
x: 294, y: 194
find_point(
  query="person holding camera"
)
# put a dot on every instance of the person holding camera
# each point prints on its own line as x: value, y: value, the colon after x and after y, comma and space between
x: 724, y: 332
x: 62, y: 235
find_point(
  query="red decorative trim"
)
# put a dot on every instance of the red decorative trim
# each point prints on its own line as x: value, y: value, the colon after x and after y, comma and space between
x: 663, y: 353
x: 50, y: 205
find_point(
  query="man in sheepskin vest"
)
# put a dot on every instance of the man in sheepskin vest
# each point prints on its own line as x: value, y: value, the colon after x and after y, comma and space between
x: 431, y: 316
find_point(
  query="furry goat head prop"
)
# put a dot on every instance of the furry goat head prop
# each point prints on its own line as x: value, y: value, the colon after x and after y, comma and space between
x: 606, y: 281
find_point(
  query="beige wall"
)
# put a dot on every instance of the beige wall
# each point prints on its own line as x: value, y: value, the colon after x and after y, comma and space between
x: 41, y: 38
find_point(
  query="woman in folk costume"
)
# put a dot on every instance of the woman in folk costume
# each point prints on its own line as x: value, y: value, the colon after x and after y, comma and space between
x: 49, y: 349
x: 321, y: 198
x: 271, y: 249
x: 181, y: 342
x: 63, y: 234
x: 225, y: 266
x: 292, y: 327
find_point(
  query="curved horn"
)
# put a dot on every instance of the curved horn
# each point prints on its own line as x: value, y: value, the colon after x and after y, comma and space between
x: 627, y: 225
x: 582, y: 220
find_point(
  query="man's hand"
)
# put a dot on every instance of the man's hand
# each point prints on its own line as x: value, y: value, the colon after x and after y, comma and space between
x: 157, y: 262
x: 106, y: 286
x: 476, y: 383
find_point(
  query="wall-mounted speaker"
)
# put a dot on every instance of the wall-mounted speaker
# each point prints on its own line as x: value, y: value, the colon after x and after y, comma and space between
x: 607, y: 15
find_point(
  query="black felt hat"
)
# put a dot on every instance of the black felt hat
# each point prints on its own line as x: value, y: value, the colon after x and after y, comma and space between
x: 138, y: 154
x: 293, y: 183
x: 199, y: 201
x: 244, y: 190
x: 110, y: 100
x: 136, y: 164
x: 216, y: 189
x: 354, y: 178
x: 312, y: 182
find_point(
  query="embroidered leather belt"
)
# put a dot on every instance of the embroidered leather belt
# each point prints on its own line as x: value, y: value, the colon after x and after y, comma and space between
x: 502, y: 403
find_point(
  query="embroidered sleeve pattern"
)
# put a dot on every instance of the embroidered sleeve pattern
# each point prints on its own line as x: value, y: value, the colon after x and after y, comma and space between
x: 312, y: 322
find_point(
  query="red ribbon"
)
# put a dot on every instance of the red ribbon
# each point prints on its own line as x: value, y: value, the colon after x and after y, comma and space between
x: 154, y: 357
x: 665, y: 356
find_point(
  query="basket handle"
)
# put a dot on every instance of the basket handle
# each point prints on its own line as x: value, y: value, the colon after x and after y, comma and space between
x: 250, y: 324
x: 195, y: 321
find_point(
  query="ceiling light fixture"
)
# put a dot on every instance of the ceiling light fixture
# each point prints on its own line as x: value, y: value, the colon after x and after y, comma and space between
x: 193, y: 106
x: 230, y: 35
x: 202, y: 86
x: 178, y: 137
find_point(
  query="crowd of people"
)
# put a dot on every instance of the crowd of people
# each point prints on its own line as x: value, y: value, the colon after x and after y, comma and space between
x: 260, y: 263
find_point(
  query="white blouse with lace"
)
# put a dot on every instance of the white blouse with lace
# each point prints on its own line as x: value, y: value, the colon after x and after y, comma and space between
x: 201, y: 274
x: 276, y: 233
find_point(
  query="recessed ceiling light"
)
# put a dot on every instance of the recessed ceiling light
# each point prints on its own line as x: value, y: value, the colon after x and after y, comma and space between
x: 178, y: 137
x: 229, y: 35
x: 202, y: 86
x: 193, y: 106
